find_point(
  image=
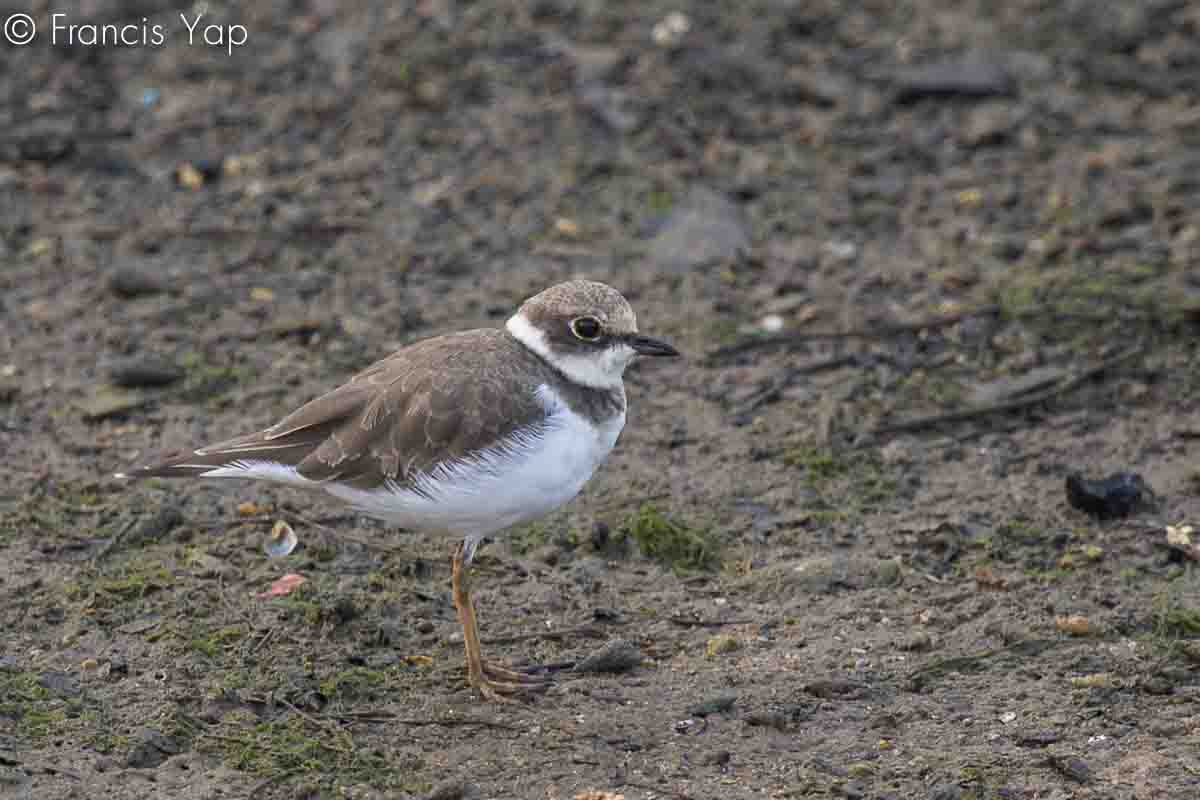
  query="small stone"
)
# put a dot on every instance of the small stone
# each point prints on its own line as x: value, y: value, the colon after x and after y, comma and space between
x: 548, y: 554
x: 151, y: 749
x: 390, y: 634
x: 103, y: 402
x: 670, y: 30
x: 836, y: 688
x: 897, y: 451
x: 618, y: 655
x: 140, y: 372
x: 703, y: 229
x: 767, y: 719
x: 989, y: 125
x: 1074, y: 624
x: 59, y: 683
x: 716, y: 705
x: 957, y: 77
x: 1038, y: 739
x: 187, y: 176
x: 452, y: 789
x: 1097, y: 680
x: 612, y: 107
x: 246, y: 508
x: 1117, y: 495
x: 917, y: 642
x: 721, y: 644
x: 1073, y: 767
x: 716, y: 759
x: 425, y: 626
x: 945, y: 791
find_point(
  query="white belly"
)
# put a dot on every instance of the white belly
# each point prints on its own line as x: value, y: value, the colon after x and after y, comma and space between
x: 498, y: 489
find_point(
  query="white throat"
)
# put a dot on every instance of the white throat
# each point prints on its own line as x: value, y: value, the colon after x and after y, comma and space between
x: 603, y: 370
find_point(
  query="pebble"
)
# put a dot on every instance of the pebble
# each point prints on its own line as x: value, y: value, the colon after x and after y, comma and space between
x: 59, y: 683
x: 151, y: 749
x: 715, y: 705
x: 129, y: 283
x: 956, y: 77
x: 703, y: 229
x: 1117, y: 495
x: 721, y: 644
x: 618, y: 655
x: 452, y: 789
x: 103, y: 402
x: 144, y: 371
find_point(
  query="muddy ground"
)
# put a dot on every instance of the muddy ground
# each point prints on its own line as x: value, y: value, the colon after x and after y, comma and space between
x: 926, y: 260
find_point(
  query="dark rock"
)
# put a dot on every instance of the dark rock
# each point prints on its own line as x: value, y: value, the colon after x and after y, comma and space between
x: 1073, y: 767
x: 1118, y: 495
x: 767, y: 719
x: 1156, y: 684
x: 966, y: 77
x: 600, y: 535
x: 452, y: 789
x: 619, y: 655
x: 703, y: 229
x: 390, y: 634
x: 157, y: 526
x: 917, y: 642
x: 945, y: 791
x: 47, y: 145
x: 130, y: 283
x: 716, y: 705
x: 59, y: 683
x: 151, y: 749
x: 144, y: 371
x: 1038, y: 739
x: 209, y: 168
x: 717, y: 759
x: 345, y: 610
x: 839, y: 688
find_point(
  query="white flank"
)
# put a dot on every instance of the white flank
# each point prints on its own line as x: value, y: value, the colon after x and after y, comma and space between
x: 519, y: 480
x: 259, y: 469
x: 601, y: 371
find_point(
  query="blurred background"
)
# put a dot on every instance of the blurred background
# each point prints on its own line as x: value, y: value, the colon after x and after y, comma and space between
x: 927, y: 260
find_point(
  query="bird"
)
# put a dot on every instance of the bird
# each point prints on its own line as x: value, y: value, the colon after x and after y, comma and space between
x: 465, y: 434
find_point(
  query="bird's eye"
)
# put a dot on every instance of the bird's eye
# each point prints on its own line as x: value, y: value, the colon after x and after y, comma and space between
x: 586, y: 328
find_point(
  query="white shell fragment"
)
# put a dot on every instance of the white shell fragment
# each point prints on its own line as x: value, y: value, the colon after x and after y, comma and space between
x: 281, y: 541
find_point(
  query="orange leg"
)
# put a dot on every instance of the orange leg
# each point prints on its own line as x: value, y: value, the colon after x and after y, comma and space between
x: 492, y: 681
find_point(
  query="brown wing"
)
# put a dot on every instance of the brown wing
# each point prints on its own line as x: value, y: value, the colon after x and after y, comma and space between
x: 444, y: 399
x: 436, y: 400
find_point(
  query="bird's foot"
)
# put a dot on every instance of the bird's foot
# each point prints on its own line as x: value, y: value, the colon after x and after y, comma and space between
x: 502, y: 684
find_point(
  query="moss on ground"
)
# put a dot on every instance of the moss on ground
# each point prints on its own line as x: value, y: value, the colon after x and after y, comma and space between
x: 680, y: 546
x: 302, y: 748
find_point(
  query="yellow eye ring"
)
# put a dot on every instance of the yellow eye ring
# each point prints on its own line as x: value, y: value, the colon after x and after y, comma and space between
x: 586, y: 328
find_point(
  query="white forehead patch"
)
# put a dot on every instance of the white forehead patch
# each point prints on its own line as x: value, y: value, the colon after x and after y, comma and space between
x: 601, y: 370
